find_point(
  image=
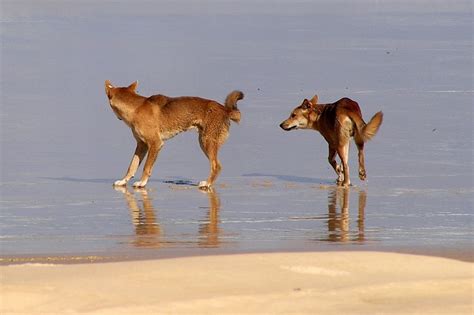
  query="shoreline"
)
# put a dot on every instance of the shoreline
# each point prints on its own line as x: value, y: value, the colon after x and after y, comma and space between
x: 276, y: 283
x: 92, y: 258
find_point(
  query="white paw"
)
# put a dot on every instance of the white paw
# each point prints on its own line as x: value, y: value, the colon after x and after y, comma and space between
x: 121, y: 182
x: 204, y: 184
x: 139, y: 184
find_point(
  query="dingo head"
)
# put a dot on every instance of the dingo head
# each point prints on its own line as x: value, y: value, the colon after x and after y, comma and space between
x: 302, y: 116
x: 111, y: 90
x: 117, y: 97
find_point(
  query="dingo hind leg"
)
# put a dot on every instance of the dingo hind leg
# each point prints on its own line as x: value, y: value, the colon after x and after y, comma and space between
x: 362, y: 172
x: 343, y: 152
x: 210, y: 145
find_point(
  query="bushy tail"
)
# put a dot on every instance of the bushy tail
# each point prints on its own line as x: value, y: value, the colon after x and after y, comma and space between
x: 231, y: 105
x: 370, y: 129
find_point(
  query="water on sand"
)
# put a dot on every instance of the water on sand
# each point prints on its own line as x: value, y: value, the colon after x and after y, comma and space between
x: 62, y: 148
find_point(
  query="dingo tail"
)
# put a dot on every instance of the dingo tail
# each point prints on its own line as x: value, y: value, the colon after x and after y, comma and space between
x: 371, y: 128
x: 231, y: 105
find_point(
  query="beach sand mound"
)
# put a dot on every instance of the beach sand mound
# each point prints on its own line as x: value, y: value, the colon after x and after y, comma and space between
x: 277, y: 283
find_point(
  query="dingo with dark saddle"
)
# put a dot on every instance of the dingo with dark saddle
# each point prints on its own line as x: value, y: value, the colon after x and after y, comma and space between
x: 337, y: 123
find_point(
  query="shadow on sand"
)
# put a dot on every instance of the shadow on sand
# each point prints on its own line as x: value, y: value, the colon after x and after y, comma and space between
x: 185, y: 182
x: 291, y: 178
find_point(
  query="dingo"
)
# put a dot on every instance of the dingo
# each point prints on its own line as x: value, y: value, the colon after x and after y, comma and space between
x: 337, y: 123
x: 157, y: 118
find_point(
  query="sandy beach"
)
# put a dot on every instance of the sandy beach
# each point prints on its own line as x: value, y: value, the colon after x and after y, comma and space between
x: 280, y: 283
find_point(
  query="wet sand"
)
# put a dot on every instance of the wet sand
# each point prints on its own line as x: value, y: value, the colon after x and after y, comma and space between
x: 62, y: 147
x: 170, y: 220
x: 281, y: 283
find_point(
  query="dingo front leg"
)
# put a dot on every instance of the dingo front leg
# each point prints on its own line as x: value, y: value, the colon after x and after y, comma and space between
x: 153, y: 150
x: 337, y: 168
x: 137, y: 158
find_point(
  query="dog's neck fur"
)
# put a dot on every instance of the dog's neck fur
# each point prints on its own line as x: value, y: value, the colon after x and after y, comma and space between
x: 125, y: 104
x: 313, y: 117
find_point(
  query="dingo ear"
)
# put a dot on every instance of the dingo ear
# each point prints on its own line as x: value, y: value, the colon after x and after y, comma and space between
x: 108, y: 87
x: 314, y: 100
x: 306, y: 104
x: 133, y: 86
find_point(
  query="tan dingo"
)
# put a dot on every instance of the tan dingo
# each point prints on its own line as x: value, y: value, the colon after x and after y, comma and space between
x: 157, y: 118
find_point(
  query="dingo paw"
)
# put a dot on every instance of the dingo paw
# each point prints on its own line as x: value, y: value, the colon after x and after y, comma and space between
x: 139, y: 184
x: 204, y: 185
x: 344, y: 184
x: 121, y: 182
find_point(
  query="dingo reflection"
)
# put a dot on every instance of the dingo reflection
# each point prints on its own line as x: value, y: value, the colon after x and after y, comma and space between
x: 339, y: 223
x: 147, y: 228
x: 209, y: 230
x: 149, y: 233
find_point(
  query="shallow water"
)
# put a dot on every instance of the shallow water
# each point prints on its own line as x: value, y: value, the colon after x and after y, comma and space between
x: 62, y: 147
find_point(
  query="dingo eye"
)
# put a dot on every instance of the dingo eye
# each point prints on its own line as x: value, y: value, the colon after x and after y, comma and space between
x: 293, y: 115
